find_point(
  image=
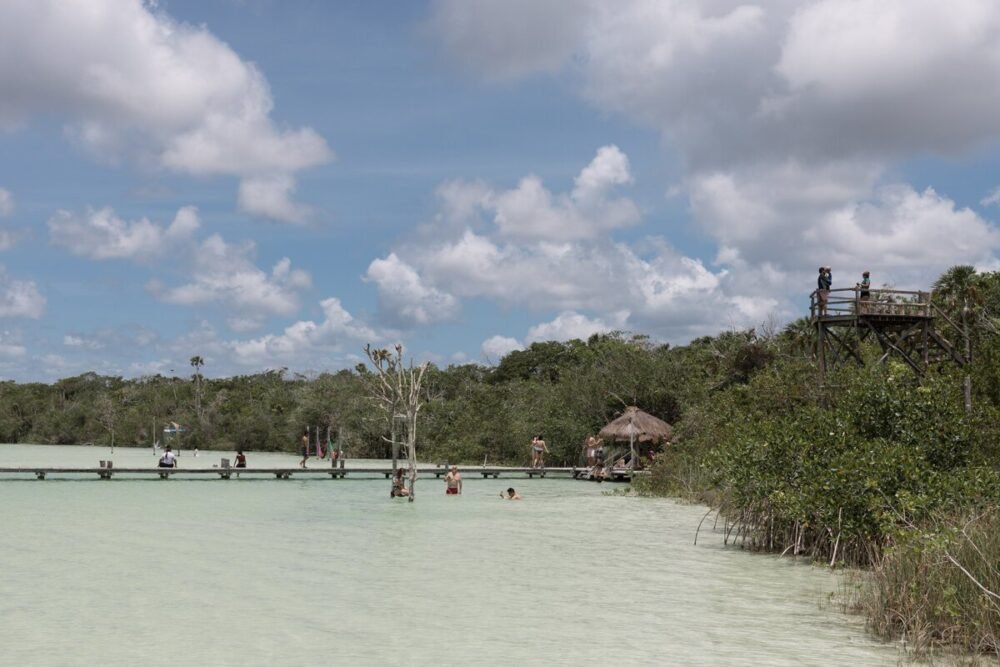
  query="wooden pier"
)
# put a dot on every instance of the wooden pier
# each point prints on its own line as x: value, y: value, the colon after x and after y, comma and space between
x: 901, y: 322
x: 107, y: 472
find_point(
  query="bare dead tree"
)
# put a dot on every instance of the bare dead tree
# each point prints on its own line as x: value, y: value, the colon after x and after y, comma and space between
x: 397, y: 391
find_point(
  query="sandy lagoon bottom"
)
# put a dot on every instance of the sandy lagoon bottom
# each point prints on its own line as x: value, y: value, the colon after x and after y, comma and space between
x: 319, y: 572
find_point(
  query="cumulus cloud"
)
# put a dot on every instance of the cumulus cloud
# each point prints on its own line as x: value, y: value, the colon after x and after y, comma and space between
x: 647, y: 285
x: 6, y: 203
x: 101, y: 234
x: 496, y: 348
x: 404, y: 298
x: 530, y: 210
x: 20, y: 298
x: 132, y: 82
x: 225, y: 274
x: 304, y: 340
x: 786, y: 115
x: 569, y: 325
x: 270, y: 197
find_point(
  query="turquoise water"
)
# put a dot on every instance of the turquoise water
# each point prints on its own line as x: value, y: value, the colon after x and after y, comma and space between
x: 320, y: 571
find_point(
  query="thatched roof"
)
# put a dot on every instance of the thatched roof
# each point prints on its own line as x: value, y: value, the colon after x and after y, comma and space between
x: 643, y: 426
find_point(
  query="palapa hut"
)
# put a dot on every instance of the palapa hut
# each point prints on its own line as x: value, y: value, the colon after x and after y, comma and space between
x: 636, y: 426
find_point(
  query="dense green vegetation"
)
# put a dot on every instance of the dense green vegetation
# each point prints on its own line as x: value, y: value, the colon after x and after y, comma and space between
x: 878, y: 467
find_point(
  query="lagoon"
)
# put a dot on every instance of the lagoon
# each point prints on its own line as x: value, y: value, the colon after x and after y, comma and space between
x: 317, y: 571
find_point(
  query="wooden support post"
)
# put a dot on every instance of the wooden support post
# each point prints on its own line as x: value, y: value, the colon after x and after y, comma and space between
x: 39, y: 475
x: 821, y: 350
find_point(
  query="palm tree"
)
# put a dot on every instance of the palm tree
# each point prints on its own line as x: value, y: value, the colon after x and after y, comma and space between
x: 197, y: 362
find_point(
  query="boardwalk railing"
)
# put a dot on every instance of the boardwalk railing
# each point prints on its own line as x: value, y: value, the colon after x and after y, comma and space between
x: 853, y: 301
x: 107, y: 472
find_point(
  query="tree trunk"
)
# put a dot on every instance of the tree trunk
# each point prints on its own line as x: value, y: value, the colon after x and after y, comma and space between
x: 967, y: 382
x: 411, y: 452
x: 395, y: 446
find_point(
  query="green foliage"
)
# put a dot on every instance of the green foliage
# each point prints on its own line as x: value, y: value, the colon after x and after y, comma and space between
x: 939, y: 585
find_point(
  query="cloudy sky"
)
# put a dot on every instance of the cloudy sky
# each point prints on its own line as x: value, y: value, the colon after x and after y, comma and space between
x: 271, y: 184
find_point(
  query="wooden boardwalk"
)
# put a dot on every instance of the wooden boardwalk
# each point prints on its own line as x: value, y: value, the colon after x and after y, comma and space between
x: 43, y: 472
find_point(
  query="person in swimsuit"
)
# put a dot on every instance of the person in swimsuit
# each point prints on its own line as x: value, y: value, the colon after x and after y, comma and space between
x: 511, y: 494
x: 241, y: 459
x: 453, y: 482
x: 398, y: 485
x: 597, y: 472
x: 538, y: 451
x: 304, y: 448
x: 588, y: 450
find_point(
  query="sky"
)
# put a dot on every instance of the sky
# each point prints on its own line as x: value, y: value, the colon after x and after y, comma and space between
x: 276, y: 184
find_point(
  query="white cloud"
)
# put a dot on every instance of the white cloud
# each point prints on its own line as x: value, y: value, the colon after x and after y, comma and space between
x: 569, y: 325
x: 462, y: 201
x: 101, y: 234
x: 11, y: 348
x: 404, y: 298
x: 645, y: 286
x: 531, y: 211
x: 81, y: 342
x: 786, y: 115
x: 992, y: 198
x: 270, y: 197
x: 304, y: 341
x: 225, y: 274
x: 6, y: 203
x: 528, y: 36
x: 908, y: 233
x: 20, y: 298
x: 132, y: 82
x: 496, y: 348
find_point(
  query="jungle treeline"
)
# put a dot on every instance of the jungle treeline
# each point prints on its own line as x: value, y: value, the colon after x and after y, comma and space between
x: 874, y: 466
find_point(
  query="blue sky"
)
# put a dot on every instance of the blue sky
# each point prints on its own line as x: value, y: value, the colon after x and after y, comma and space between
x: 271, y: 184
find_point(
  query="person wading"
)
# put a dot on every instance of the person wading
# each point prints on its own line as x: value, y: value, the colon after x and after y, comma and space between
x: 453, y: 482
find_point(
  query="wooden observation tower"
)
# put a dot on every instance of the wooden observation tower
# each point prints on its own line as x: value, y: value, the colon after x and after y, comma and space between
x: 900, y: 321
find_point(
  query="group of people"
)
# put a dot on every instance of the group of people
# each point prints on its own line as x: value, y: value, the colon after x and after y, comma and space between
x: 452, y: 485
x: 335, y: 453
x: 824, y: 283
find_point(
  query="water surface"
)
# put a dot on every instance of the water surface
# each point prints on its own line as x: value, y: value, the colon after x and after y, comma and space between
x: 320, y: 571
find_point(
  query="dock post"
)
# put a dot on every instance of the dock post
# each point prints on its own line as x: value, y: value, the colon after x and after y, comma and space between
x: 39, y: 475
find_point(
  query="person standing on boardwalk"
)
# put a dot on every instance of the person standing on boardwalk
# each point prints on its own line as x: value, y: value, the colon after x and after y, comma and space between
x: 588, y: 450
x: 823, y: 284
x: 453, y: 482
x: 304, y: 447
x: 538, y: 451
x: 866, y: 285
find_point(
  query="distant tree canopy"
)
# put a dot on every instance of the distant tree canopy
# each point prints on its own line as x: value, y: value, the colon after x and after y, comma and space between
x: 564, y: 390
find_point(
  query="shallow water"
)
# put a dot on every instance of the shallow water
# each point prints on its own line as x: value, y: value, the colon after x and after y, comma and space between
x: 320, y: 571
